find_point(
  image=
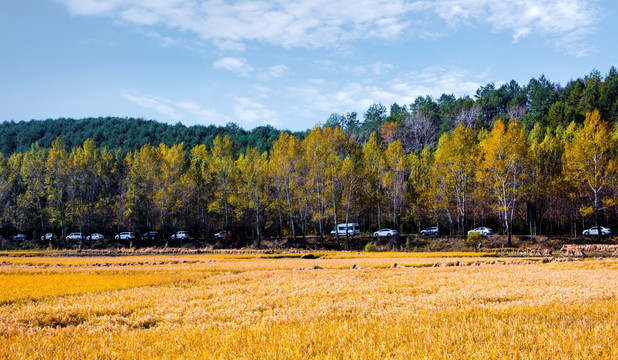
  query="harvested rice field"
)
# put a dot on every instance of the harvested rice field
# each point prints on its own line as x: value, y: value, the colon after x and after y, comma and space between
x: 338, y: 306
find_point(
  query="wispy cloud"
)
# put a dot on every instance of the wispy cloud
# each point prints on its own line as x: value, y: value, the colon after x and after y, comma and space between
x: 378, y: 68
x: 251, y: 113
x: 317, y: 23
x: 273, y: 72
x: 305, y: 23
x: 236, y: 65
x: 187, y: 112
x: 165, y: 41
x: 565, y: 22
x: 160, y: 105
x: 247, y: 112
x: 328, y: 97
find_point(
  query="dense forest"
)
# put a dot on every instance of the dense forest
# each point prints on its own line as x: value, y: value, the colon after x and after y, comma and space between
x: 420, y: 123
x: 539, y: 159
x: 125, y: 134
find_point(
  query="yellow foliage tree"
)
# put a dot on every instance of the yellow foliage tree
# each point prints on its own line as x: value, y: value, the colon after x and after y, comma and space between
x: 454, y: 169
x: 170, y: 188
x: 144, y: 170
x: 375, y: 166
x: 33, y: 176
x: 222, y: 170
x: 251, y: 192
x: 394, y: 179
x: 56, y: 184
x: 284, y: 159
x: 590, y: 162
x: 504, y: 167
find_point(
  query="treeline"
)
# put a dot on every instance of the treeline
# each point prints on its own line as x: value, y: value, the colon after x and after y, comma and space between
x: 418, y: 124
x: 125, y: 134
x: 542, y: 102
x: 545, y: 181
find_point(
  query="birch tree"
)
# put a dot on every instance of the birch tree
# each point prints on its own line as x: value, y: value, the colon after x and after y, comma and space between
x: 590, y: 163
x: 503, y: 165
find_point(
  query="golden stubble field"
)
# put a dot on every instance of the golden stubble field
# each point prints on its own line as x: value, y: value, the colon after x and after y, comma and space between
x: 230, y: 307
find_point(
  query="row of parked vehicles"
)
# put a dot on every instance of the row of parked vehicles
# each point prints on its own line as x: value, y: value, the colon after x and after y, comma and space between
x: 350, y: 229
x: 435, y: 231
x: 431, y: 231
x: 126, y: 235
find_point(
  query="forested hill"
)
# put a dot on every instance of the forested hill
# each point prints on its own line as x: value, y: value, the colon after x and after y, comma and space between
x: 420, y: 124
x: 126, y: 134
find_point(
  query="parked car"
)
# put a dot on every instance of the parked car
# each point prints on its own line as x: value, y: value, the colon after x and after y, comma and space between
x: 350, y: 228
x: 127, y: 235
x: 385, y: 232
x: 181, y: 235
x: 481, y: 230
x: 95, y: 237
x: 431, y: 231
x: 75, y: 236
x: 151, y: 235
x: 222, y: 234
x: 48, y: 237
x: 594, y: 232
x: 19, y: 237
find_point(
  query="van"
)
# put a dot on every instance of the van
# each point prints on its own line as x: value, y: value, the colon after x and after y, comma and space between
x: 341, y: 229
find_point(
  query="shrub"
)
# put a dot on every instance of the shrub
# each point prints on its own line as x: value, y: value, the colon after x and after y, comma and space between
x: 474, y: 239
x: 371, y: 247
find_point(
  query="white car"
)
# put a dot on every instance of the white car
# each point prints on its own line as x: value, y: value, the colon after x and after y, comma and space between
x: 48, y: 237
x: 181, y: 235
x: 481, y: 230
x: 431, y: 231
x: 594, y: 232
x: 95, y: 236
x: 222, y: 234
x: 385, y: 232
x: 127, y: 235
x: 350, y: 229
x: 75, y: 236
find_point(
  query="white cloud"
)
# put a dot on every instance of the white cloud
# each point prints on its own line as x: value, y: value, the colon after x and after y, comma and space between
x: 317, y: 23
x: 236, y: 65
x: 273, y: 72
x: 328, y: 97
x: 250, y: 113
x: 165, y: 41
x: 566, y: 22
x: 262, y: 91
x: 160, y: 105
x: 229, y: 45
x: 90, y: 7
x: 247, y: 112
x: 378, y: 68
x: 187, y: 112
x: 300, y: 23
x: 204, y: 116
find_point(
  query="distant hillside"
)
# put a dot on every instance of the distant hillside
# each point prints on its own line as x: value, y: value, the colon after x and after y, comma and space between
x: 124, y: 133
x: 540, y: 103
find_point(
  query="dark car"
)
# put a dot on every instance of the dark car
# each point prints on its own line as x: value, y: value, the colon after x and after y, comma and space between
x: 431, y: 231
x: 151, y: 235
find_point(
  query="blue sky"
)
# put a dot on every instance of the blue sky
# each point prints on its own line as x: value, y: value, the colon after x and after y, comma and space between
x: 289, y: 64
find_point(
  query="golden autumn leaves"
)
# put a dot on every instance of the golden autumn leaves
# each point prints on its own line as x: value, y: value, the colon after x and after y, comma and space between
x: 304, y: 186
